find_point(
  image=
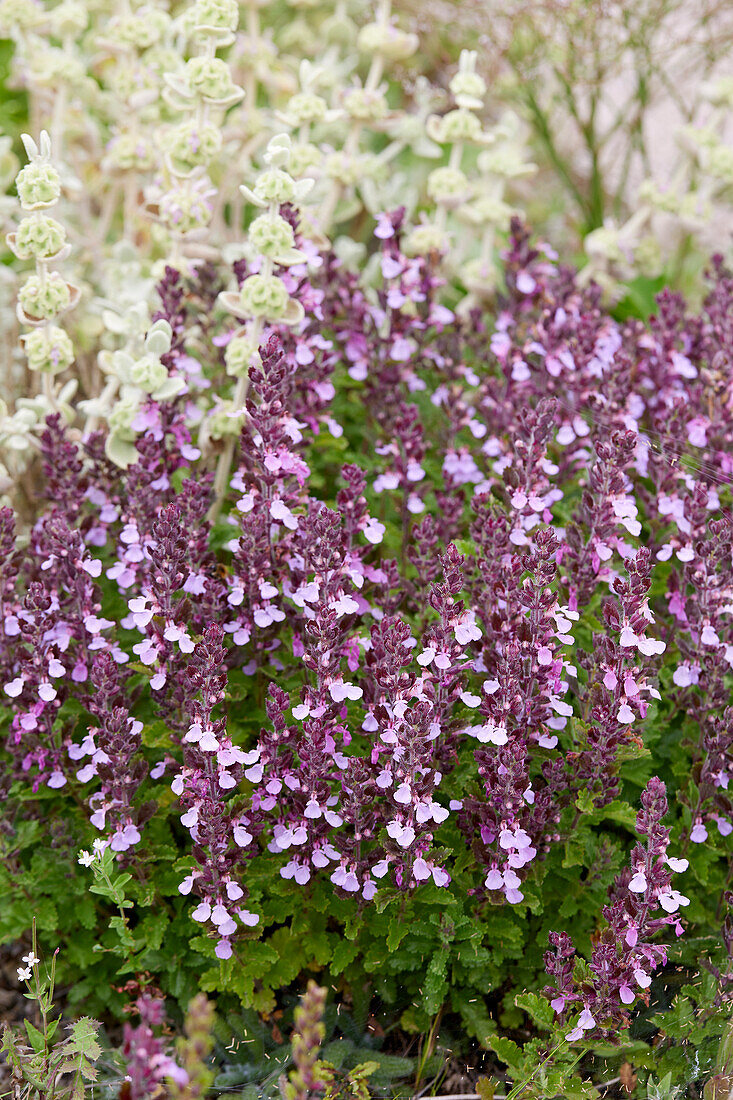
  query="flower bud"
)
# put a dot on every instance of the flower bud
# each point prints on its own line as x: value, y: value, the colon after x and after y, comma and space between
x: 38, y: 237
x: 264, y: 296
x: 186, y: 208
x: 220, y: 422
x: 480, y: 276
x: 505, y: 160
x: 275, y: 186
x: 38, y: 184
x: 448, y: 186
x: 339, y: 29
x: 69, y: 18
x: 129, y: 150
x: 42, y: 300
x: 143, y: 29
x: 240, y: 355
x: 718, y: 162
x: 344, y: 168
x: 364, y: 105
x: 459, y: 125
x: 467, y: 86
x: 425, y: 239
x: 387, y: 41
x: 221, y: 15
x: 192, y: 144
x: 23, y: 14
x: 271, y: 235
x: 148, y: 373
x: 306, y: 107
x: 121, y: 418
x: 8, y: 163
x: 49, y: 350
x: 487, y: 210
x: 603, y: 243
x: 49, y: 66
x: 648, y: 256
x: 210, y: 77
x: 304, y: 158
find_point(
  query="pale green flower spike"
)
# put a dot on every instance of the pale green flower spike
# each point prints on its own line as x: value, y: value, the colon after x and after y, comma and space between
x: 467, y: 86
x: 263, y: 297
x: 42, y: 297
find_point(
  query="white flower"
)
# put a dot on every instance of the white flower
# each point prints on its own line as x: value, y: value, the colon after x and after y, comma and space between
x: 86, y: 859
x: 31, y: 959
x: 24, y: 975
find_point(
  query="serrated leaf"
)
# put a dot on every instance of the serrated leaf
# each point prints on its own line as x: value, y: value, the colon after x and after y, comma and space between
x: 398, y: 929
x: 84, y: 1038
x: 436, y: 980
x: 152, y: 930
x: 156, y: 735
x: 485, y: 1087
x: 364, y: 1069
x: 344, y: 953
x: 574, y: 1088
x: 89, y: 1072
x: 537, y: 1008
x: 508, y: 1051
x: 476, y: 1017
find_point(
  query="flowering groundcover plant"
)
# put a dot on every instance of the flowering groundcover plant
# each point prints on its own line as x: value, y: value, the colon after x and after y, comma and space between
x: 433, y: 698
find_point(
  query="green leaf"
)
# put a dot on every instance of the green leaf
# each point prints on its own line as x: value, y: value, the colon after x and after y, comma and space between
x: 639, y: 300
x: 389, y: 1067
x: 435, y: 987
x: 156, y: 735
x: 344, y: 953
x: 485, y: 1088
x: 574, y: 1088
x: 78, y: 1089
x: 152, y: 930
x: 398, y: 929
x: 35, y: 1037
x: 476, y: 1017
x: 364, y: 1069
x: 537, y: 1008
x: 84, y: 1038
x: 508, y: 1052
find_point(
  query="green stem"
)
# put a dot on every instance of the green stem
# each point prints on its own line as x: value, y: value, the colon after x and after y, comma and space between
x: 544, y: 133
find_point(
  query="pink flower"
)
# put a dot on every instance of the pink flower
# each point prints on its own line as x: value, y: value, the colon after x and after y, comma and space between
x: 280, y: 512
x: 374, y: 531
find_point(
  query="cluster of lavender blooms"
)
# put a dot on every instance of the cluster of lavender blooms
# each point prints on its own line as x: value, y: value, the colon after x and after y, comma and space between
x: 466, y: 631
x: 359, y: 560
x: 559, y: 440
x: 148, y: 1062
x: 624, y: 957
